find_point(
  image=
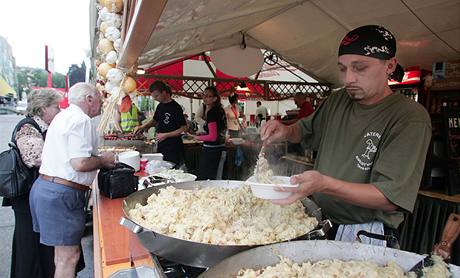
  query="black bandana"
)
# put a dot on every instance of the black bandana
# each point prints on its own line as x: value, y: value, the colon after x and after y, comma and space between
x: 371, y: 41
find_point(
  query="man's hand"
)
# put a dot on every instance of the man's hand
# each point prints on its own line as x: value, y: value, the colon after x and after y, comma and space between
x: 161, y: 136
x: 309, y: 182
x: 274, y: 131
x: 108, y: 159
x: 138, y: 129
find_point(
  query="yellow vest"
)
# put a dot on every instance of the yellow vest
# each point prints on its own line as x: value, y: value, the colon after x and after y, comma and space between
x: 129, y: 120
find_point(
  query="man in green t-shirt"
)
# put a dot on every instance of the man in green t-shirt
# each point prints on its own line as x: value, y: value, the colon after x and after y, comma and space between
x: 371, y: 142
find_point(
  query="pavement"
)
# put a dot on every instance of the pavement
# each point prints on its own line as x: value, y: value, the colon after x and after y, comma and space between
x: 7, y: 124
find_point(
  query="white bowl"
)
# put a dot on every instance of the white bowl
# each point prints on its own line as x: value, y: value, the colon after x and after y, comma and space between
x: 132, y: 158
x: 267, y: 191
x: 152, y: 156
x: 237, y: 141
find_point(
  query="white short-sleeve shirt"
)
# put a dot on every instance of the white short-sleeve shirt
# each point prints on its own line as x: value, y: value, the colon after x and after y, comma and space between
x: 70, y: 135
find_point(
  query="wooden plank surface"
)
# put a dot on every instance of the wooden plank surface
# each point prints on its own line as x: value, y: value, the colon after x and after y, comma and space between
x: 118, y: 245
x: 97, y: 258
x: 440, y: 196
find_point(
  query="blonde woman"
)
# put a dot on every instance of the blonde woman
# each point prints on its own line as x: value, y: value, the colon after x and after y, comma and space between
x: 29, y: 257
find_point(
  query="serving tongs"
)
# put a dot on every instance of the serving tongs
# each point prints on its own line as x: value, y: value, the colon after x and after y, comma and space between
x: 157, y: 180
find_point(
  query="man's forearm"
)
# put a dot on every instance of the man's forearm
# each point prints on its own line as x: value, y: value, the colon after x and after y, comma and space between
x: 86, y: 164
x: 149, y: 124
x: 177, y: 132
x: 364, y: 195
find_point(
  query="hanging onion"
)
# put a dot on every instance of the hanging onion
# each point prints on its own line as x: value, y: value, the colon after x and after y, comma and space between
x: 128, y: 85
x: 103, y: 69
x: 114, y: 6
x: 105, y: 46
x: 103, y: 26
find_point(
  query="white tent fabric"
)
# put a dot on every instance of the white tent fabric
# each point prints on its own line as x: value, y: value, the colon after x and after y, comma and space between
x: 306, y: 33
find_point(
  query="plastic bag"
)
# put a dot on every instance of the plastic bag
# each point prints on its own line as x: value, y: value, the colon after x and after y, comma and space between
x: 156, y: 166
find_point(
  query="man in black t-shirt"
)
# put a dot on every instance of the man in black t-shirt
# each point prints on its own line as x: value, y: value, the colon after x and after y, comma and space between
x: 170, y: 124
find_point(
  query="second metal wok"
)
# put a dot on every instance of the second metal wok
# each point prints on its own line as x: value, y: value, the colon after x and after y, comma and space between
x: 314, y: 250
x: 194, y: 253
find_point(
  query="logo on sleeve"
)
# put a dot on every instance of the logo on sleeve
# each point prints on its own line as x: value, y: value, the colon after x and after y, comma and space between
x: 365, y: 160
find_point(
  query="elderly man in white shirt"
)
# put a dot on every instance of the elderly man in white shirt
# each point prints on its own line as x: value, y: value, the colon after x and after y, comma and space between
x: 69, y: 166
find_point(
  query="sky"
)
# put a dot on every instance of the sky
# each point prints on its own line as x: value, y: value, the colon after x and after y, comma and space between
x: 63, y: 25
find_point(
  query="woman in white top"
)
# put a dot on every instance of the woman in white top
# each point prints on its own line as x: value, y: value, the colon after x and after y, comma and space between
x: 233, y: 113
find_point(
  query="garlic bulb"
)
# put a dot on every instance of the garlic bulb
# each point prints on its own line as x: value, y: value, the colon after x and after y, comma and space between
x: 117, y: 45
x: 115, y: 75
x: 128, y: 84
x: 111, y: 57
x: 110, y: 85
x: 114, y: 6
x: 104, y: 14
x: 103, y: 69
x: 112, y: 33
x: 105, y: 46
x: 112, y: 19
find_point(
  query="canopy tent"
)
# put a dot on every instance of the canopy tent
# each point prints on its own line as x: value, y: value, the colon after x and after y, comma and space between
x: 5, y: 89
x: 189, y: 77
x: 305, y: 33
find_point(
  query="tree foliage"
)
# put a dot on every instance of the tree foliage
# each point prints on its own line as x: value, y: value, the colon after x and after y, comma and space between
x: 32, y: 77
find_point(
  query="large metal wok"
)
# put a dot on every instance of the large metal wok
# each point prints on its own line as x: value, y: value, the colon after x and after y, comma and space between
x: 314, y: 250
x: 194, y: 253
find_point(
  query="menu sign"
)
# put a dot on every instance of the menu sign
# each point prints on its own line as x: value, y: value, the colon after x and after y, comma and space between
x: 451, y: 116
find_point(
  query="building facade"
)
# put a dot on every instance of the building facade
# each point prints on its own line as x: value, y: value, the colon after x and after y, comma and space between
x: 7, y: 65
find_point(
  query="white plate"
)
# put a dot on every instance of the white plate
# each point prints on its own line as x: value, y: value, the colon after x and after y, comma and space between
x: 267, y: 190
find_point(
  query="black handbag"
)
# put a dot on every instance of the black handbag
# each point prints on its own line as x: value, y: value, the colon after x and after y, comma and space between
x: 16, y: 178
x: 117, y: 182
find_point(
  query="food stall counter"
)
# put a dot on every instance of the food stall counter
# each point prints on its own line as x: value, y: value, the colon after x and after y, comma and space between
x: 116, y: 250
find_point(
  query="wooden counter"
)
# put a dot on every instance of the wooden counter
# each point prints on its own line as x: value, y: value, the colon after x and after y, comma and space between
x: 441, y: 196
x: 115, y: 247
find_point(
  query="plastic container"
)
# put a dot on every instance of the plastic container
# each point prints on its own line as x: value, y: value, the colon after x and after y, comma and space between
x: 152, y: 156
x: 267, y: 190
x: 132, y: 158
x: 143, y: 164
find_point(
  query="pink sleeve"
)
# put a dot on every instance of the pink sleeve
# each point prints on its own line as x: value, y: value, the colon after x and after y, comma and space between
x: 212, y: 135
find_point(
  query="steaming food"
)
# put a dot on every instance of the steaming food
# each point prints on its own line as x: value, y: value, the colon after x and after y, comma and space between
x: 221, y: 216
x: 262, y: 171
x: 339, y: 268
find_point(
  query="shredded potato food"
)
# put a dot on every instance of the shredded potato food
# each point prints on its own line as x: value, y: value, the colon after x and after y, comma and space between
x: 338, y: 268
x: 327, y: 268
x: 216, y: 215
